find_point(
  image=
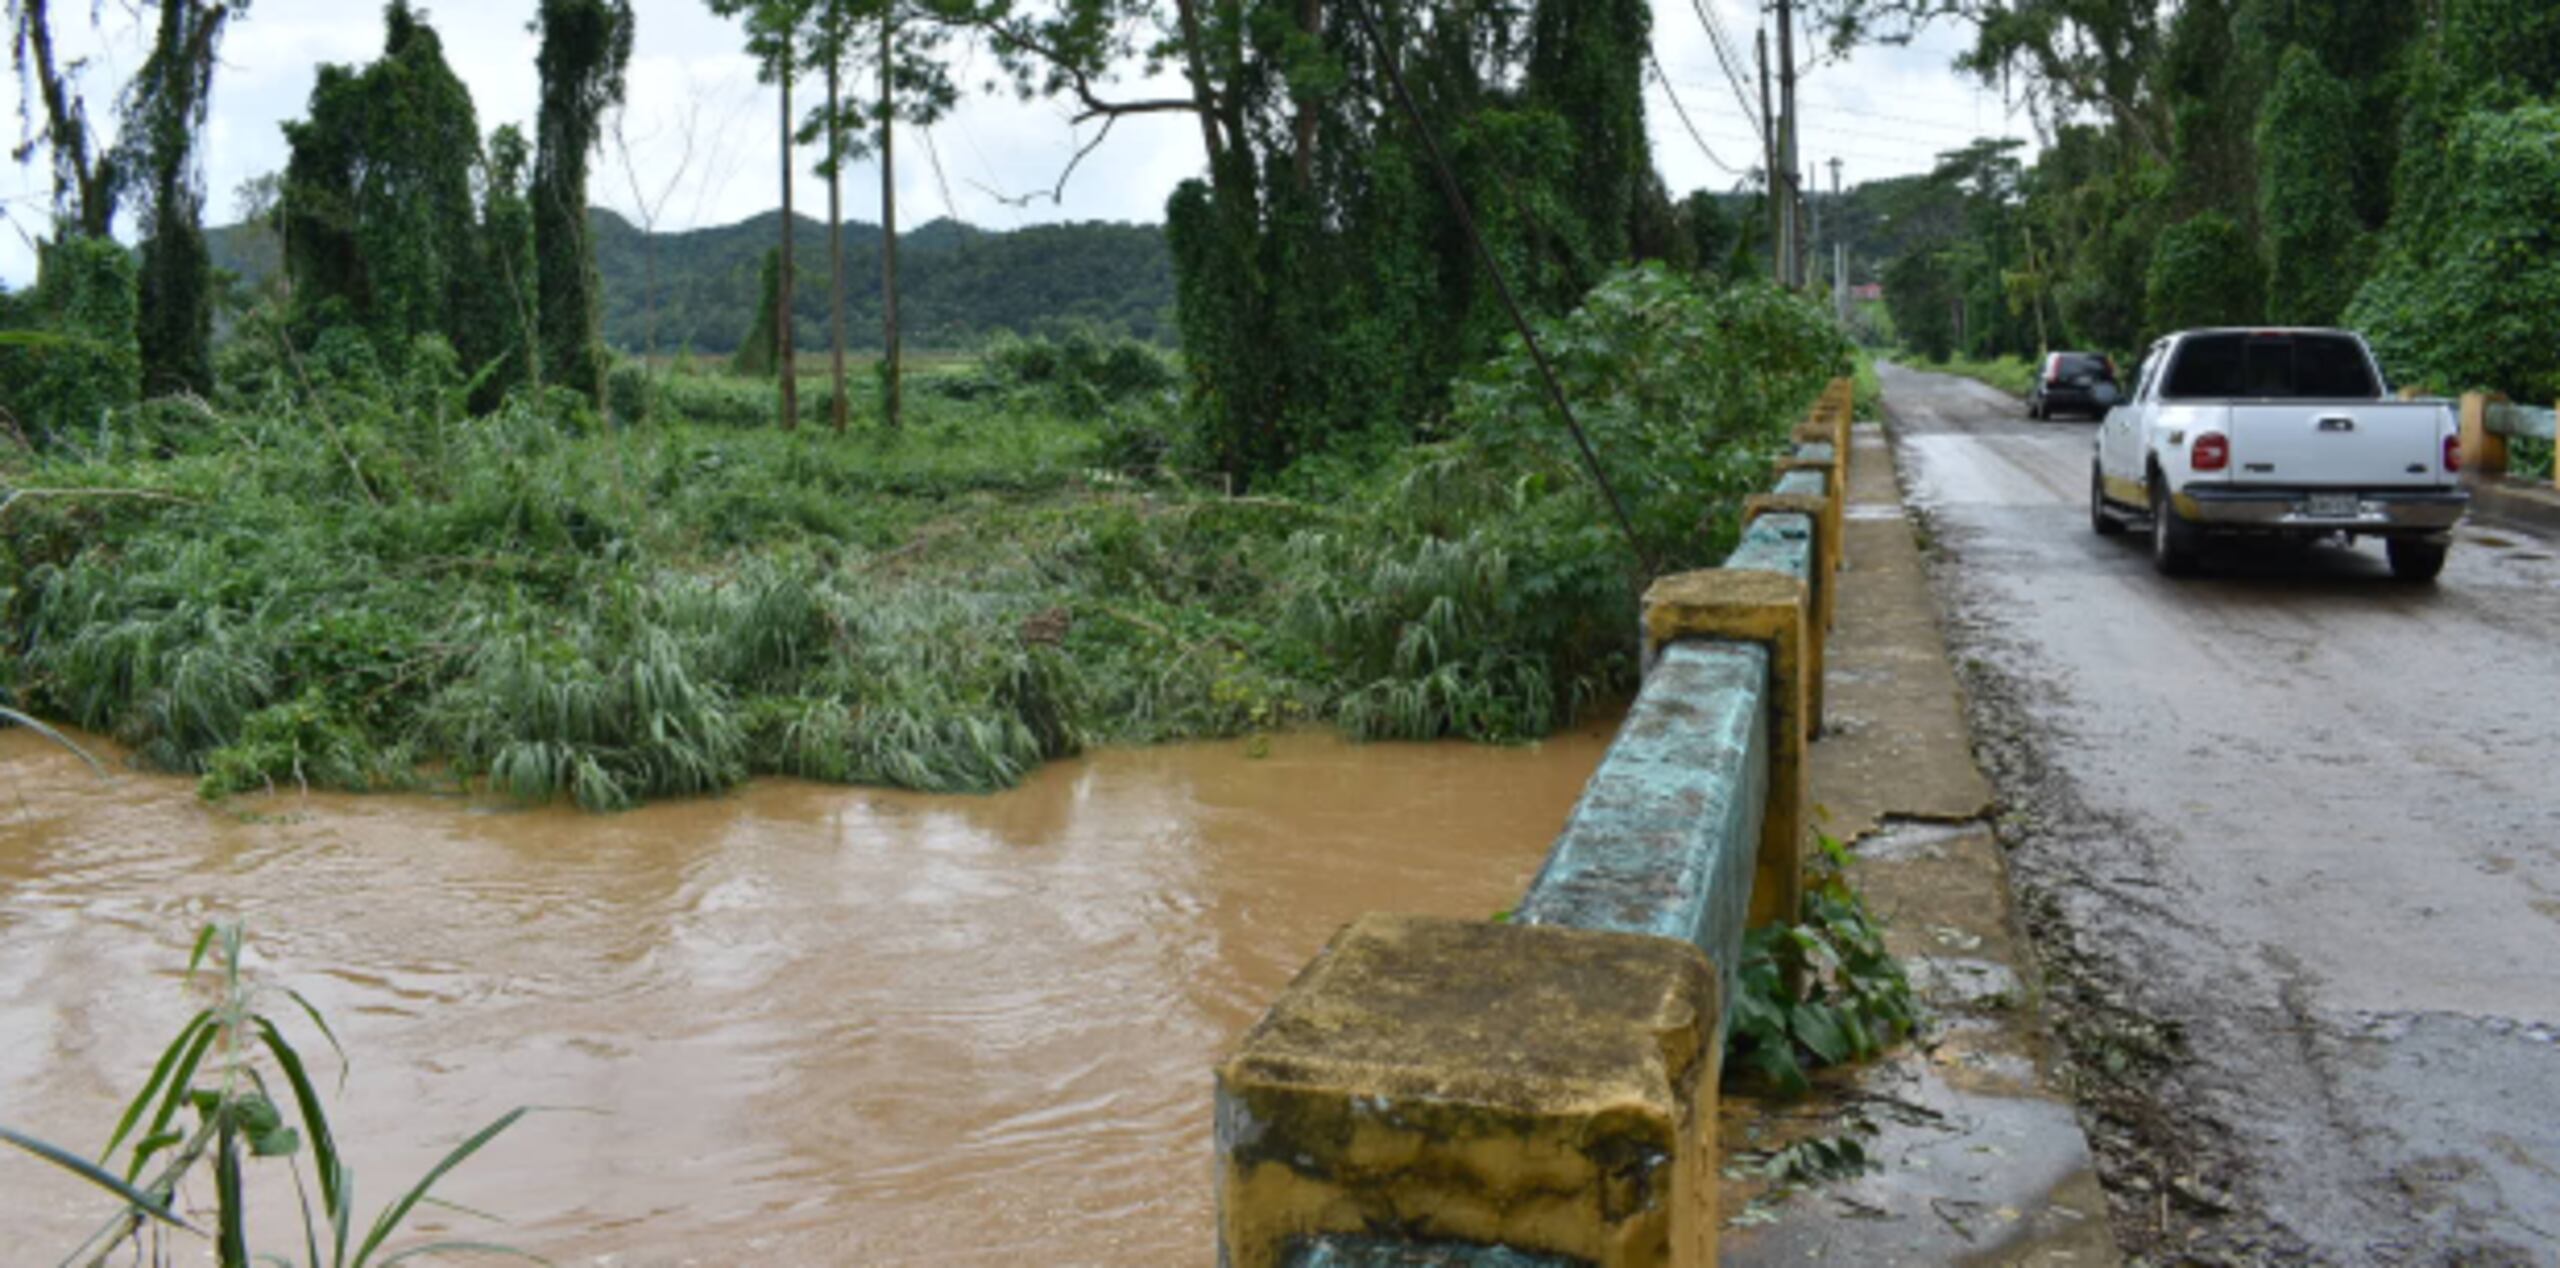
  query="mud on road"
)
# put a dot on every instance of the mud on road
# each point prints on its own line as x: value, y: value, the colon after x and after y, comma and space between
x: 2287, y: 840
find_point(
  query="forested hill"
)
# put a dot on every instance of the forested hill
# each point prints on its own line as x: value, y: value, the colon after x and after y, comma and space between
x: 956, y: 284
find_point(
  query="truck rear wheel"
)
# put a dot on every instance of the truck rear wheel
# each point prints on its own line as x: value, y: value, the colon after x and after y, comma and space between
x: 2415, y: 559
x: 2173, y: 539
x: 2102, y: 519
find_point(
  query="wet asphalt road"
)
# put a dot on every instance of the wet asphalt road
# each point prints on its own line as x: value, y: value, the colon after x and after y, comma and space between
x: 2304, y: 815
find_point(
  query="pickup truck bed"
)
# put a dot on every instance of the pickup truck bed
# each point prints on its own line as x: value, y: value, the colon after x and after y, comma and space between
x: 2287, y: 431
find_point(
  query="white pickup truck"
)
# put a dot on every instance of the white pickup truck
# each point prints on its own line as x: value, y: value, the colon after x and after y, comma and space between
x: 2283, y: 432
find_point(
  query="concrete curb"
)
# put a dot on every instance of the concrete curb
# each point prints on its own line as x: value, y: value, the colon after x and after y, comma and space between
x: 2515, y: 502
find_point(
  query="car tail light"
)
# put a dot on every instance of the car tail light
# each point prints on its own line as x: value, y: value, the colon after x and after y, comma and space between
x: 2211, y: 453
x: 2452, y: 454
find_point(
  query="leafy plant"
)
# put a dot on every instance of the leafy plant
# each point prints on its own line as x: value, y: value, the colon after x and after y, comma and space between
x: 224, y: 1067
x: 1823, y: 991
x: 1814, y: 1159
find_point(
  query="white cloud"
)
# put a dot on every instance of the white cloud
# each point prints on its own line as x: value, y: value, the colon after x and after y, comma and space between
x: 1884, y: 112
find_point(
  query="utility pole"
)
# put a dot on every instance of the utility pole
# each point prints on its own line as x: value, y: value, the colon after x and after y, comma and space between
x: 1769, y: 170
x: 1787, y: 142
x: 1812, y: 244
x: 1839, y: 252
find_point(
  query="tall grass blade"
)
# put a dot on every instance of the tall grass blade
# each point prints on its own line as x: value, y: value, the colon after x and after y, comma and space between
x: 391, y: 1216
x: 323, y: 1023
x: 340, y: 1220
x: 324, y: 1146
x: 99, y: 1176
x: 232, y: 1243
x: 159, y: 1072
x: 16, y: 718
x: 176, y: 1092
x: 310, y: 1234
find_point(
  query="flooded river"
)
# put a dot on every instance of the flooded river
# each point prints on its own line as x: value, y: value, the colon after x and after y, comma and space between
x: 799, y: 1024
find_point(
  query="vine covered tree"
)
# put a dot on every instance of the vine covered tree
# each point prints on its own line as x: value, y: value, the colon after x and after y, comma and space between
x: 164, y: 114
x: 506, y: 304
x: 585, y: 46
x: 1323, y: 283
x: 86, y: 176
x: 380, y: 225
x: 2314, y: 244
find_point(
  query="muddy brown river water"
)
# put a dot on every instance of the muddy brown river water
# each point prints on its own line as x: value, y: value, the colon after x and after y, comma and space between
x: 798, y: 1024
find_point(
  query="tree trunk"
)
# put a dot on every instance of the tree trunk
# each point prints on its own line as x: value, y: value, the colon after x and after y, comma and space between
x: 835, y: 226
x: 888, y: 219
x: 1310, y: 23
x: 782, y: 343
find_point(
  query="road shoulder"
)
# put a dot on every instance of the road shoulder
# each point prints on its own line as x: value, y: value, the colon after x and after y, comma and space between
x: 1979, y: 1156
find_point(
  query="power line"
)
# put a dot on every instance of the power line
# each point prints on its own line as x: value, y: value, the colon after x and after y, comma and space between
x: 1721, y: 41
x: 1683, y: 112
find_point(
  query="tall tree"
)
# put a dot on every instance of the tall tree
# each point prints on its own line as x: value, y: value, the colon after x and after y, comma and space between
x: 1319, y: 262
x: 85, y: 173
x: 889, y: 365
x: 507, y: 313
x: 835, y: 30
x: 2315, y: 248
x: 380, y: 223
x: 904, y: 51
x: 774, y: 38
x: 164, y: 114
x: 585, y: 45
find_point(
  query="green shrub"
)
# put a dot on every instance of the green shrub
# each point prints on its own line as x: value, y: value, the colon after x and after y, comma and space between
x: 2315, y: 247
x: 76, y: 360
x: 2470, y: 300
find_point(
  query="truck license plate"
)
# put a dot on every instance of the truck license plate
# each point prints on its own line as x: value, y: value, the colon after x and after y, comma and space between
x: 2332, y: 506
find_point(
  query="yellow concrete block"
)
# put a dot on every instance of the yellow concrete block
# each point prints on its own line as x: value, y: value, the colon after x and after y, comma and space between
x: 2483, y: 451
x: 1547, y: 1089
x: 1776, y: 610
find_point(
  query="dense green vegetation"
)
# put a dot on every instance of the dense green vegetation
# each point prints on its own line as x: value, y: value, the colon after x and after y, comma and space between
x: 337, y: 574
x: 2391, y: 166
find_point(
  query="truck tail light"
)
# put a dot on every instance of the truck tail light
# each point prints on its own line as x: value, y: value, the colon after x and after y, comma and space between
x: 2212, y: 452
x: 2452, y: 454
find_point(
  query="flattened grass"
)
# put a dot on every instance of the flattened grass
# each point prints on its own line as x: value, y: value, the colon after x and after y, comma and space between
x: 348, y: 584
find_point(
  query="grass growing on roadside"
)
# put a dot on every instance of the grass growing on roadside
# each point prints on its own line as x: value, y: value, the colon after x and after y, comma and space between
x: 348, y: 581
x: 1867, y: 399
x: 2529, y: 458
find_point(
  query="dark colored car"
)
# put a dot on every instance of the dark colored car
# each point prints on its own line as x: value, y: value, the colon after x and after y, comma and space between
x: 2070, y: 381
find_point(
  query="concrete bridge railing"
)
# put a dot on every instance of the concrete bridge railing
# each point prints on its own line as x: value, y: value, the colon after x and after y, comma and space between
x: 2489, y: 422
x: 1543, y: 1091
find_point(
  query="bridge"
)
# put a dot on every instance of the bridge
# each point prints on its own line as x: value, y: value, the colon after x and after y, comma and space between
x: 1543, y: 1090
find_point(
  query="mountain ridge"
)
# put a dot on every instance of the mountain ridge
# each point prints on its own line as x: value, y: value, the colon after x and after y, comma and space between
x: 959, y: 284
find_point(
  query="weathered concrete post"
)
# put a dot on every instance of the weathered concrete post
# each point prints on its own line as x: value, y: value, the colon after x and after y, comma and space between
x: 2484, y: 452
x: 1824, y: 576
x: 1773, y: 609
x: 1547, y: 1090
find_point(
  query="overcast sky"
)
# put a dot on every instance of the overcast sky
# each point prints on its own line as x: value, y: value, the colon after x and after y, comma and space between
x: 1884, y: 112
